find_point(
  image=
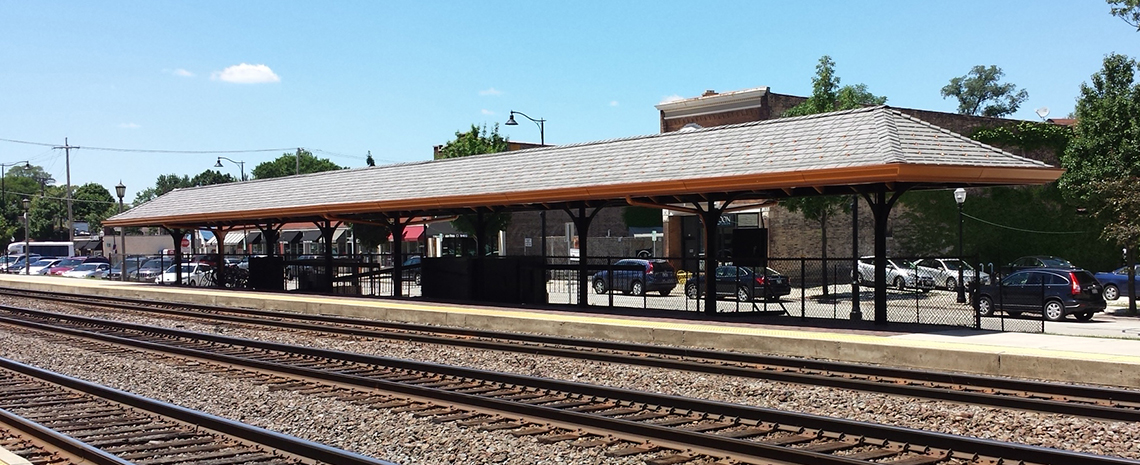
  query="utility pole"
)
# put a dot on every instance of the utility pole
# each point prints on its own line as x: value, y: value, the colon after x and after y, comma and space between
x: 70, y: 217
x: 298, y: 161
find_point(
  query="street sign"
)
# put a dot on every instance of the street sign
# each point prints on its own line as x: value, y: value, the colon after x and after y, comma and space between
x: 185, y: 242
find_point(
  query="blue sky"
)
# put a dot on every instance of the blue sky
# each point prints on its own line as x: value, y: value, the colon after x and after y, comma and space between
x: 396, y: 78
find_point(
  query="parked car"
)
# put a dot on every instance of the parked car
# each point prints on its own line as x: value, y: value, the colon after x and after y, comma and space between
x: 1039, y: 261
x: 193, y: 275
x: 1115, y: 282
x: 71, y: 262
x: 412, y: 270
x: 641, y: 277
x: 16, y: 264
x: 743, y: 283
x: 151, y: 269
x: 1055, y: 292
x: 40, y: 267
x: 902, y: 274
x: 945, y: 272
x: 89, y: 270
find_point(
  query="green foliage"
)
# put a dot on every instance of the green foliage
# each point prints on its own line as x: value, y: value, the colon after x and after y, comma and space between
x: 92, y: 203
x: 641, y: 217
x: 978, y: 92
x: 286, y: 165
x: 1128, y: 10
x: 1034, y: 220
x: 168, y: 182
x: 370, y: 236
x: 1027, y: 135
x: 1106, y: 149
x: 476, y: 141
x: 828, y: 96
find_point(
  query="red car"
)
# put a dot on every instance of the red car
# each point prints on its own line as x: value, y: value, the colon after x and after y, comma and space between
x: 71, y: 262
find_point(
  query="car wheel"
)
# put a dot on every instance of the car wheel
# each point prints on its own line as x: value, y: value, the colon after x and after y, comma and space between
x: 951, y: 284
x: 691, y: 291
x: 1054, y: 311
x: 1084, y: 316
x: 985, y: 306
x: 742, y: 294
x: 665, y: 293
x: 1111, y: 292
x: 192, y: 283
x: 636, y: 288
x: 599, y: 286
x: 900, y: 282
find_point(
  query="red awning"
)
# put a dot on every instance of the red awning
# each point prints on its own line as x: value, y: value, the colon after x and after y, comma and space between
x: 411, y: 233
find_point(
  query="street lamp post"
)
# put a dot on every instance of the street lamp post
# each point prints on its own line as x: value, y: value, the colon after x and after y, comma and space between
x: 27, y: 236
x: 540, y: 122
x: 960, y: 198
x: 121, y: 190
x: 541, y: 141
x: 241, y: 165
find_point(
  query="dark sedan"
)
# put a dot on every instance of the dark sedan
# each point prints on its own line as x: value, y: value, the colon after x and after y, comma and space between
x: 1116, y: 282
x: 1039, y: 261
x: 636, y: 276
x: 1055, y: 292
x: 742, y: 282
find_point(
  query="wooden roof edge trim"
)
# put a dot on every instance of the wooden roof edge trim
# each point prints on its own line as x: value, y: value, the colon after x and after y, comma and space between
x: 897, y: 172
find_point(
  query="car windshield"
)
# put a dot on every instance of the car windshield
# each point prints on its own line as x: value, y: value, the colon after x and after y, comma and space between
x: 42, y: 263
x: 953, y: 265
x: 70, y: 262
x: 1056, y: 262
x: 186, y: 268
x: 86, y: 267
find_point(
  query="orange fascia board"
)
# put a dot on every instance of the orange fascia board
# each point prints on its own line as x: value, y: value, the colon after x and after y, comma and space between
x: 861, y: 175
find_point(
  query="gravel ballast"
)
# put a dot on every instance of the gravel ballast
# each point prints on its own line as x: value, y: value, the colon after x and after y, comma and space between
x: 401, y: 438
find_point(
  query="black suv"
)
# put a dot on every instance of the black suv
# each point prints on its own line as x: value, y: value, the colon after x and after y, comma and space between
x: 1039, y: 261
x: 1055, y: 292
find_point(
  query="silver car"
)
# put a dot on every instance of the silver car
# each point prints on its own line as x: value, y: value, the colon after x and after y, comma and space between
x: 945, y: 272
x: 901, y: 274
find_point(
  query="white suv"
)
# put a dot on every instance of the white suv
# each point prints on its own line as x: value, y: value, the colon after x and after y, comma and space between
x: 945, y: 272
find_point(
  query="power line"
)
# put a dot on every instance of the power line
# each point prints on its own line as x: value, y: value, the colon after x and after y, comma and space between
x: 1020, y: 229
x: 112, y: 149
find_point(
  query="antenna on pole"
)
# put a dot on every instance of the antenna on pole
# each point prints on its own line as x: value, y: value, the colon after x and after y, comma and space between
x: 1043, y: 112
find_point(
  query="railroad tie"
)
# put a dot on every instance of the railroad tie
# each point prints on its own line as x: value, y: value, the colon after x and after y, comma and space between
x: 643, y: 448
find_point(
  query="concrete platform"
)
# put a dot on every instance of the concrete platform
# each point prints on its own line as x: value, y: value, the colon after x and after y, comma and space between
x: 1101, y: 360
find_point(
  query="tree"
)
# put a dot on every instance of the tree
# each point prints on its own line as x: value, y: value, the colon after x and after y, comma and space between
x: 1128, y: 10
x: 477, y: 141
x: 1102, y: 162
x: 828, y: 96
x: 168, y: 182
x: 978, y: 92
x: 211, y: 177
x: 286, y: 165
x: 93, y: 204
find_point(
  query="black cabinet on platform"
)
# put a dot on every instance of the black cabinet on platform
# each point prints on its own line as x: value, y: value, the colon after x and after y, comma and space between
x: 512, y: 280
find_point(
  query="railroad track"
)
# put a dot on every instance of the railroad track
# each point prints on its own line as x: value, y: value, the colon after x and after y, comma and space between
x: 1085, y: 401
x: 49, y: 418
x: 669, y: 429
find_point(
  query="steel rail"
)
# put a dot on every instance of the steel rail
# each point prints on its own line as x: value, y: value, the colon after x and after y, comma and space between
x: 1034, y: 396
x: 86, y: 452
x: 271, y: 439
x: 982, y: 447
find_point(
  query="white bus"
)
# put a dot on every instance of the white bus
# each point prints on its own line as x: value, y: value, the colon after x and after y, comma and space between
x: 45, y: 249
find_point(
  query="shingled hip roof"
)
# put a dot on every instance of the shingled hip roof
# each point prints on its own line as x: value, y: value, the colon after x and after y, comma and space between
x: 864, y: 146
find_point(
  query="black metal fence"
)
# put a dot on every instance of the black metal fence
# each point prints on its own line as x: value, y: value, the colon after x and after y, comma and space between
x: 920, y: 290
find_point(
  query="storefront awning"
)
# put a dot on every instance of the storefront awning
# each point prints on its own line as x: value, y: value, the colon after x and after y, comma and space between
x: 411, y: 233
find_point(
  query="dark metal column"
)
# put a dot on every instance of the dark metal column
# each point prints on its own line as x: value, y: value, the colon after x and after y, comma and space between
x: 177, y: 234
x: 711, y: 219
x: 220, y: 257
x: 856, y: 312
x: 397, y: 228
x: 582, y: 224
x: 1131, y: 262
x: 881, y: 209
x: 327, y: 230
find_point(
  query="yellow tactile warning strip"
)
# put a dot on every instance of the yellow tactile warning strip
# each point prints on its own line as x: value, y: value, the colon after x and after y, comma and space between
x: 1001, y: 360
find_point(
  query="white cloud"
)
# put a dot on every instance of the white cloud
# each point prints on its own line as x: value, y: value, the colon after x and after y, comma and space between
x: 487, y: 112
x: 129, y: 126
x: 491, y: 91
x: 182, y: 72
x: 613, y: 103
x: 671, y: 98
x: 246, y: 74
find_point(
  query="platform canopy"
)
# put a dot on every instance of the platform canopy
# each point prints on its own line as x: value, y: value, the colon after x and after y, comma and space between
x: 844, y: 152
